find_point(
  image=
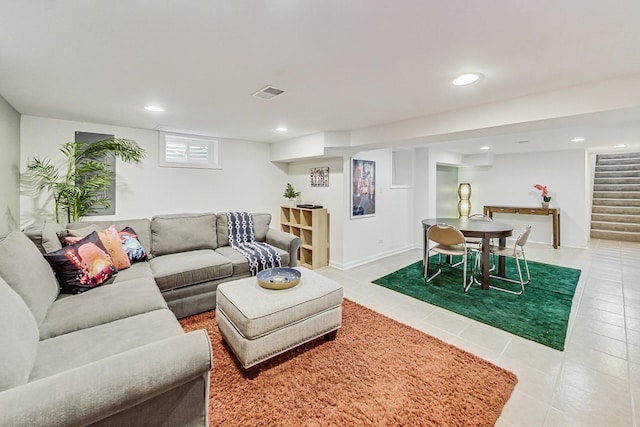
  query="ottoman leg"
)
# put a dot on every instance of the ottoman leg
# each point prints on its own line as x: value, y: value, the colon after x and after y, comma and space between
x: 331, y: 335
x: 252, y: 372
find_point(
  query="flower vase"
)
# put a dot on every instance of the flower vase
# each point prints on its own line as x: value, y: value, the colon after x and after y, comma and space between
x: 545, y: 205
x: 291, y: 202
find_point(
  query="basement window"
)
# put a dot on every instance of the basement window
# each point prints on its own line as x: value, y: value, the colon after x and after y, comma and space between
x: 189, y: 151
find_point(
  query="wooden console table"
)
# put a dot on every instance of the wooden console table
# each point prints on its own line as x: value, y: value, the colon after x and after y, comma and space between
x: 555, y: 213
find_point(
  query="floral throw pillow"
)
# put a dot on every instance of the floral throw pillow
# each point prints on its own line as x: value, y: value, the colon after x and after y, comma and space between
x: 132, y: 245
x: 82, y: 266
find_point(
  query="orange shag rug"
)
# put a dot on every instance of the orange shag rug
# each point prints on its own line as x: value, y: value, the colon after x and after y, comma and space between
x: 377, y: 372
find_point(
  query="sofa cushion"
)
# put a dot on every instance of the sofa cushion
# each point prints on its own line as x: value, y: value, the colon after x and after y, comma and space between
x: 240, y: 263
x: 260, y: 221
x: 18, y: 338
x: 44, y: 234
x: 24, y: 268
x: 102, y: 305
x: 83, y: 265
x: 78, y: 348
x: 188, y: 268
x: 182, y: 232
x: 141, y: 226
x: 138, y: 270
x: 68, y: 236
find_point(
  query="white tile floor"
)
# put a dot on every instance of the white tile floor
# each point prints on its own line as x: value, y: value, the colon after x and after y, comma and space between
x: 594, y: 382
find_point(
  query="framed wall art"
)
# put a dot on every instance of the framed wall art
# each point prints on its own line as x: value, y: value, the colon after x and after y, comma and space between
x: 319, y: 177
x: 363, y: 188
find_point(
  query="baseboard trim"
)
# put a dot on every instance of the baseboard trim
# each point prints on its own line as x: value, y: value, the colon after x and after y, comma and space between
x: 376, y: 257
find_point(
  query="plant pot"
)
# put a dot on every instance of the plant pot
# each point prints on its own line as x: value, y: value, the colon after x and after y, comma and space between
x: 545, y: 205
x: 291, y: 202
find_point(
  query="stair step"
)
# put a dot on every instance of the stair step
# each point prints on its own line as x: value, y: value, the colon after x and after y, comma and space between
x: 615, y: 168
x: 615, y: 218
x: 616, y: 194
x: 617, y: 187
x: 614, y: 235
x: 617, y: 180
x: 608, y: 202
x: 618, y: 174
x: 617, y: 156
x: 616, y: 210
x: 615, y: 226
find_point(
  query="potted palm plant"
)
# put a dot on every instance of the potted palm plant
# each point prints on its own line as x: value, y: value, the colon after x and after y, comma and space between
x: 79, y: 184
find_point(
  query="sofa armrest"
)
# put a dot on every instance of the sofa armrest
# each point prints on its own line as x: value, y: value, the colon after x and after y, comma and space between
x: 285, y: 241
x: 100, y: 389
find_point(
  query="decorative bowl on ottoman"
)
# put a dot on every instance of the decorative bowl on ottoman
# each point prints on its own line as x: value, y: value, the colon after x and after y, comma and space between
x: 278, y: 278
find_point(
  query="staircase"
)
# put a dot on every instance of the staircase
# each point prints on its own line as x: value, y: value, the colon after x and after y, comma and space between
x: 616, y: 197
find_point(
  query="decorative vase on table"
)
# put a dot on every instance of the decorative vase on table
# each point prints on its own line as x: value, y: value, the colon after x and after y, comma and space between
x: 545, y: 205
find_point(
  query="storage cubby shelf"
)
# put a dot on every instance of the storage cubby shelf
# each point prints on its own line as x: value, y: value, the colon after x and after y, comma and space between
x: 311, y: 225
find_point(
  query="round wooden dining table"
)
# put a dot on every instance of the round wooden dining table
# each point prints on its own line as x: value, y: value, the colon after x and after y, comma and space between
x: 486, y: 230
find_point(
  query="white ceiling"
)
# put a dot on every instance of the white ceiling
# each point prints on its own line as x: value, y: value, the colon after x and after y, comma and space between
x: 343, y: 64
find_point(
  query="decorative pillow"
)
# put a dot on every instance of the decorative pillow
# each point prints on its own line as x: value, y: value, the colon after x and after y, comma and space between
x: 111, y: 241
x: 131, y: 245
x: 82, y: 266
x: 110, y: 238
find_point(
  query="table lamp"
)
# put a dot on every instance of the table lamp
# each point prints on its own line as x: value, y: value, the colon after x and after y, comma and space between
x: 464, y: 205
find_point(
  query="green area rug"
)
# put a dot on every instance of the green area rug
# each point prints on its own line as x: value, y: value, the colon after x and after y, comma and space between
x: 540, y: 314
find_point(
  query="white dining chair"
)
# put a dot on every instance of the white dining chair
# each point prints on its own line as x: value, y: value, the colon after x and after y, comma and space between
x: 517, y: 253
x: 448, y: 241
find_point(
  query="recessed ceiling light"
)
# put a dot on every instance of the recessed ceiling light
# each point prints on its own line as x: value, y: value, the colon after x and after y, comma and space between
x: 466, y: 79
x: 577, y: 139
x: 281, y: 129
x: 619, y: 146
x: 485, y: 148
x: 154, y: 108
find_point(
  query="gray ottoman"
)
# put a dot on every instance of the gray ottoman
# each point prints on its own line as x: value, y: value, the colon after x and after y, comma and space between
x: 259, y: 323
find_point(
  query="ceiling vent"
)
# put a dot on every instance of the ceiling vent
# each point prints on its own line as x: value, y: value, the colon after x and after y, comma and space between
x: 268, y: 92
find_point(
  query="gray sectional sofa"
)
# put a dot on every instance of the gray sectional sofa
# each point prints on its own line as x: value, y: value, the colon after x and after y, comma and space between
x: 189, y: 254
x: 112, y: 356
x: 116, y: 355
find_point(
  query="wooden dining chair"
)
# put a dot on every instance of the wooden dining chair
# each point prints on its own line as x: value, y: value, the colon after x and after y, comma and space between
x: 517, y: 253
x: 448, y: 241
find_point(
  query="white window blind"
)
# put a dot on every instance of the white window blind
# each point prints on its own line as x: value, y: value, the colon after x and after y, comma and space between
x: 189, y: 151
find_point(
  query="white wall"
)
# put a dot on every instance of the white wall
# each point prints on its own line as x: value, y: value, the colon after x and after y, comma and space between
x: 510, y: 182
x: 247, y: 182
x: 331, y: 197
x: 357, y: 241
x: 9, y: 167
x: 391, y: 229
